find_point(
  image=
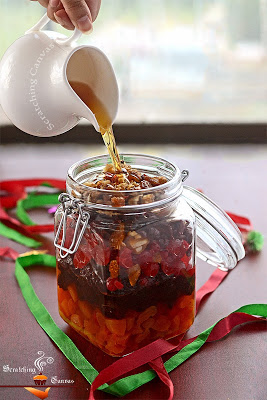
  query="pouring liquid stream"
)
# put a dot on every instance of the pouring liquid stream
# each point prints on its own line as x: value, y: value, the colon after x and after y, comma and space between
x: 96, y: 106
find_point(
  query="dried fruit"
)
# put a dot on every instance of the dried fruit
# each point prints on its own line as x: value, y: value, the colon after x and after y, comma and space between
x: 80, y: 259
x: 125, y: 258
x: 113, y: 284
x: 172, y: 266
x: 117, y: 201
x: 114, y: 269
x: 117, y: 326
x: 136, y: 242
x: 117, y: 237
x: 133, y: 274
x: 178, y: 247
x: 150, y: 269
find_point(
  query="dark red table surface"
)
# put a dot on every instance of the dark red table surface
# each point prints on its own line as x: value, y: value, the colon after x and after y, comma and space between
x: 231, y: 369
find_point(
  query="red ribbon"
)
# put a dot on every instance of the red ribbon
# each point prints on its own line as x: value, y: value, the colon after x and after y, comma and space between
x: 8, y: 252
x: 18, y: 192
x: 17, y: 189
x: 153, y: 352
x: 243, y: 223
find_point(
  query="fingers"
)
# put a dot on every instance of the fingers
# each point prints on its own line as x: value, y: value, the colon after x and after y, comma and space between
x: 53, y: 7
x: 79, y: 14
x: 94, y: 6
x: 72, y: 13
x: 62, y: 18
x: 43, y: 3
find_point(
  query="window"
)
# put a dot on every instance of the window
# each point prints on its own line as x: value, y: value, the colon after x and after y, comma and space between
x: 178, y: 61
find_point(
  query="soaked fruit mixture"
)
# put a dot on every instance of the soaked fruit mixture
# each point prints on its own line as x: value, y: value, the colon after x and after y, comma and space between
x: 132, y: 279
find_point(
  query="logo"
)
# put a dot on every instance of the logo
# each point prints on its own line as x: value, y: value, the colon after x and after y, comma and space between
x: 40, y: 379
x: 42, y: 361
x: 39, y: 389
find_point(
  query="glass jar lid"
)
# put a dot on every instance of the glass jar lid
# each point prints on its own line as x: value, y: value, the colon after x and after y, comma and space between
x: 218, y: 240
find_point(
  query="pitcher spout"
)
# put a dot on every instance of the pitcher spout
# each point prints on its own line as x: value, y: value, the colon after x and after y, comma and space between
x: 90, y: 75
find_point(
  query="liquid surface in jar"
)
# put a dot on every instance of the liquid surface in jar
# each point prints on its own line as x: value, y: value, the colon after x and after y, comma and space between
x: 105, y: 124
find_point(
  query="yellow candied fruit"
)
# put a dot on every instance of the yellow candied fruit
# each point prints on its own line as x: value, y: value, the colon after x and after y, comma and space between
x: 114, y: 349
x: 114, y: 269
x: 91, y: 326
x: 162, y: 324
x: 73, y: 292
x: 149, y: 312
x: 65, y: 308
x: 133, y: 274
x: 77, y: 320
x: 85, y: 308
x: 117, y: 326
x: 142, y: 336
x: 72, y: 306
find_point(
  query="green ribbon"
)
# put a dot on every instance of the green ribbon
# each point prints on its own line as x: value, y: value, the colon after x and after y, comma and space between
x: 34, y: 200
x: 68, y: 348
x: 17, y: 236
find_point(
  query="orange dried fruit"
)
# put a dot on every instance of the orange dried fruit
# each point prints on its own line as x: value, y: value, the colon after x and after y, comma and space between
x: 63, y: 294
x: 72, y: 306
x: 85, y: 308
x: 114, y: 269
x: 148, y: 323
x: 161, y: 324
x: 114, y: 349
x: 142, y: 336
x: 102, y: 336
x: 117, y: 326
x: 100, y: 319
x: 149, y: 312
x: 76, y: 319
x: 133, y: 274
x: 129, y: 323
x: 73, y: 292
x: 65, y: 308
x: 91, y: 326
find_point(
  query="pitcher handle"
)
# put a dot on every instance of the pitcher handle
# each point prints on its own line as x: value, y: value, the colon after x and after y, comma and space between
x: 44, y: 20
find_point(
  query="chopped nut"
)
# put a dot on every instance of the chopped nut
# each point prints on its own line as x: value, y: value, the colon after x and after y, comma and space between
x: 136, y: 242
x: 109, y: 168
x: 148, y: 198
x: 117, y: 201
x: 133, y: 274
x: 133, y: 200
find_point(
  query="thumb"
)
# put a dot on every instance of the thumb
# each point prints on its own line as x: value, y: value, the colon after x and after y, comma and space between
x: 79, y: 14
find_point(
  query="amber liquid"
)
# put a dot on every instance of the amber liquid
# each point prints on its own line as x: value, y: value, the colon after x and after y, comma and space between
x: 105, y: 124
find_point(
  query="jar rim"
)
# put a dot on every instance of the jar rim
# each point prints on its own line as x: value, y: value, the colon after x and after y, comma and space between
x: 172, y: 187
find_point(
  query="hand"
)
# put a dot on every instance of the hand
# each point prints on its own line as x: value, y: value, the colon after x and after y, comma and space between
x: 72, y: 13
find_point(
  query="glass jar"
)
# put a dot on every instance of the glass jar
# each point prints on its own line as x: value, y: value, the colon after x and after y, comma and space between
x: 126, y: 275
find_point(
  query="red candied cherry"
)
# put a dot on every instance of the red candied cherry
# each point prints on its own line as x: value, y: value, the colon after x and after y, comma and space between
x: 150, y: 269
x: 125, y: 258
x: 155, y: 247
x: 80, y: 259
x: 186, y: 260
x: 113, y: 284
x: 171, y: 266
x: 146, y: 257
x: 178, y: 247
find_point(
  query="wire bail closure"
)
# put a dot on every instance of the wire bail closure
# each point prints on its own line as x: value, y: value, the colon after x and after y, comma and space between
x: 69, y: 204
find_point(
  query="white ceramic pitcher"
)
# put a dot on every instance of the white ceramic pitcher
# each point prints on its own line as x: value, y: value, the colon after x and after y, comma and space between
x: 34, y: 90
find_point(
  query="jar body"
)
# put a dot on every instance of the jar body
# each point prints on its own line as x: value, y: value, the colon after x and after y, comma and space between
x: 132, y: 278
